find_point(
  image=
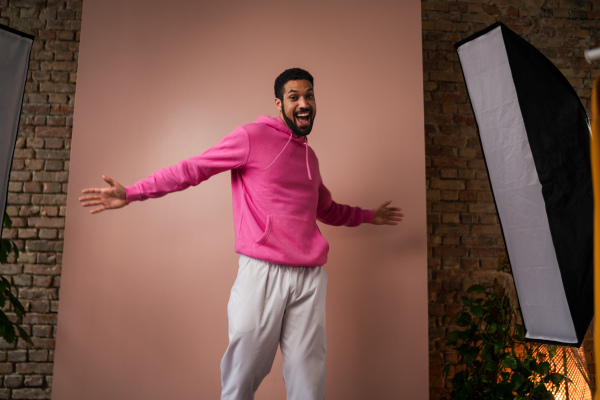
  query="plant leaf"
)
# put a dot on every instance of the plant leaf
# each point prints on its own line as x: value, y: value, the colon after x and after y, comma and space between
x: 477, y: 311
x: 556, y: 378
x: 476, y: 288
x: 24, y: 335
x: 498, y: 347
x: 7, y: 221
x: 517, y: 381
x: 452, y: 337
x: 4, y: 250
x: 510, y: 362
x: 15, y: 249
x: 491, y: 366
x: 469, y: 353
x: 486, y: 354
x: 466, y: 301
x: 7, y: 330
x: 446, y: 369
x: 552, y: 351
x: 464, y: 319
x: 520, y: 332
x: 543, y: 369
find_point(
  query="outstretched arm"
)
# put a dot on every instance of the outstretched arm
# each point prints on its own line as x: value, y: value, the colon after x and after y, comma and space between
x: 106, y: 198
x: 385, y: 215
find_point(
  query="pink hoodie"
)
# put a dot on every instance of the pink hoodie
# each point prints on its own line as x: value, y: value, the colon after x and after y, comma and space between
x: 277, y: 192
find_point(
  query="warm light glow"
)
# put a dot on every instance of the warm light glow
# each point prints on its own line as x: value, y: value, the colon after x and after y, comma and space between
x: 569, y: 361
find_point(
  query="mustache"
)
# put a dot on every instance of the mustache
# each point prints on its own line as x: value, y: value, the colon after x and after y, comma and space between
x: 303, y: 110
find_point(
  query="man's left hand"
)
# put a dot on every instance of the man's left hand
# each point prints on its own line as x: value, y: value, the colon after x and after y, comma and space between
x: 385, y: 215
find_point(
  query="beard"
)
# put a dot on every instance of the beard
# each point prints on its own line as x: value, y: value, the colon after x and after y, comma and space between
x: 297, y: 130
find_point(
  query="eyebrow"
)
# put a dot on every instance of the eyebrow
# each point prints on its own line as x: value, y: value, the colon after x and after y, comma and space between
x: 297, y: 91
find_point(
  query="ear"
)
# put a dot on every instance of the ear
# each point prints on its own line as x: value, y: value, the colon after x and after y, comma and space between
x: 278, y: 104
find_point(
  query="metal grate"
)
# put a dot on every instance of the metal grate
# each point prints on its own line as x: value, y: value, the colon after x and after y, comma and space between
x: 570, y: 362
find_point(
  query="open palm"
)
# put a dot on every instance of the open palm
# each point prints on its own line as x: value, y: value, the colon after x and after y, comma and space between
x: 109, y: 198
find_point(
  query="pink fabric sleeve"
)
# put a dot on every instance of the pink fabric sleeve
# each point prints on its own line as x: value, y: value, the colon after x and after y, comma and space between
x: 230, y: 153
x: 332, y: 213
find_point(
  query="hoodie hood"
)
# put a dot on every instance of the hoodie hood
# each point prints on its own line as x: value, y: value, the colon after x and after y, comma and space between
x: 274, y: 122
x: 278, y: 124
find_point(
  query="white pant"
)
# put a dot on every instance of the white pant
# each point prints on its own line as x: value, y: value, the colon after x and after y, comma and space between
x: 273, y: 304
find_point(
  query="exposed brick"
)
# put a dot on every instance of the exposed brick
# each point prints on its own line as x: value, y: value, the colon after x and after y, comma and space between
x: 27, y: 3
x: 57, y: 98
x: 32, y: 187
x: 15, y: 187
x: 13, y: 381
x: 38, y: 355
x: 42, y: 281
x: 32, y: 394
x: 15, y: 198
x: 6, y: 367
x: 34, y: 165
x: 52, y: 154
x: 48, y: 199
x: 460, y: 251
x: 44, y: 176
x: 48, y: 234
x: 34, y: 381
x: 17, y: 355
x: 35, y: 143
x: 21, y: 280
x: 42, y: 331
x: 48, y: 211
x: 52, y: 132
x: 10, y: 269
x: 445, y: 184
x: 27, y: 234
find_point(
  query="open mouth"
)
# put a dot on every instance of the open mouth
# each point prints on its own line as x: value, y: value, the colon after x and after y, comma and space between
x: 303, y: 118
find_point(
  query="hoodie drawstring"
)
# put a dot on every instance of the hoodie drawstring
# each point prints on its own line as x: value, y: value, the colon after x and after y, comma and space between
x: 307, y: 166
x: 284, y: 147
x: 272, y: 162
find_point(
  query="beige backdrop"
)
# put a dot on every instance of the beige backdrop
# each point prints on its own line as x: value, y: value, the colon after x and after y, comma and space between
x: 144, y: 289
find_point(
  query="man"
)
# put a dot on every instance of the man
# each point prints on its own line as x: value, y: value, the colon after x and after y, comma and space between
x: 278, y: 297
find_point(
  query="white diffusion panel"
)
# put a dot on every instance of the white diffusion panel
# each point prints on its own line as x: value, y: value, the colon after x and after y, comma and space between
x: 517, y: 189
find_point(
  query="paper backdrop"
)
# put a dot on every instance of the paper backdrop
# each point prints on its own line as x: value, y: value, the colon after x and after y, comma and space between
x: 144, y: 289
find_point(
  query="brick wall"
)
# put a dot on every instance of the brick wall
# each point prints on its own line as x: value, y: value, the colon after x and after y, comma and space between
x: 463, y: 232
x: 38, y: 186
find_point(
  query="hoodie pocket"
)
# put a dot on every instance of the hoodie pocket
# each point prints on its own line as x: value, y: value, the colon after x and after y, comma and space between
x: 297, y: 239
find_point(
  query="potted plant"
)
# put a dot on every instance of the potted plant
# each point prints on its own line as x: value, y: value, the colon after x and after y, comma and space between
x: 8, y: 301
x: 494, y: 361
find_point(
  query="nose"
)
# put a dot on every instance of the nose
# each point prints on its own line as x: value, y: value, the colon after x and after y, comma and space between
x: 302, y: 103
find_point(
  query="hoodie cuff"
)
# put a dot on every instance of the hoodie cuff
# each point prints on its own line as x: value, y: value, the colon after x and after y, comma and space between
x: 133, y: 194
x: 368, y: 216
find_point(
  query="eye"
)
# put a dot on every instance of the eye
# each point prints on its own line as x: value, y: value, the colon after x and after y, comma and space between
x: 310, y: 96
x: 294, y: 98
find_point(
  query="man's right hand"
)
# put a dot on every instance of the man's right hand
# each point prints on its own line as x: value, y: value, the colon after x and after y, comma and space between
x: 106, y: 198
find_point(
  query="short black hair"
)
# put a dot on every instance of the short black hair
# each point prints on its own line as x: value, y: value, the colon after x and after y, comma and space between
x: 292, y: 74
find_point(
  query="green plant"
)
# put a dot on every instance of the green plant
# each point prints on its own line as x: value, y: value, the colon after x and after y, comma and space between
x: 494, y: 361
x: 7, y: 298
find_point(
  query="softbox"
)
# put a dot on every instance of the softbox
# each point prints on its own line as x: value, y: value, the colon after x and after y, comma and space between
x: 15, y: 48
x: 535, y: 137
